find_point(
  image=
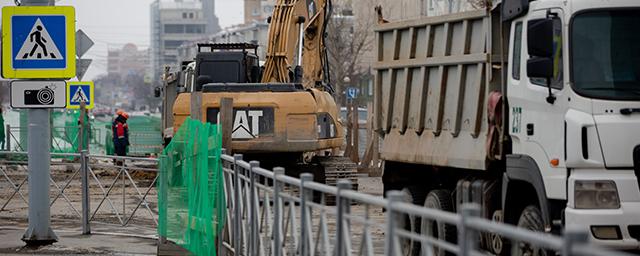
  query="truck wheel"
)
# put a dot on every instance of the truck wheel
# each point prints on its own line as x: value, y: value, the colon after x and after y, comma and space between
x: 531, y: 219
x: 408, y: 246
x: 439, y: 199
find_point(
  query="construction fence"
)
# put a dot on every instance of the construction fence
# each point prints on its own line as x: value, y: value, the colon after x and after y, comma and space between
x: 145, y: 134
x: 191, y: 196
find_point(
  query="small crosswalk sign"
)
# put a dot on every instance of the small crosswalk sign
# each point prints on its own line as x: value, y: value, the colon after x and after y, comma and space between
x: 78, y: 92
x: 38, y: 42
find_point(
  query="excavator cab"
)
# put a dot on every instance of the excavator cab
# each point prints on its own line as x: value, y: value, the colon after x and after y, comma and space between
x: 226, y: 63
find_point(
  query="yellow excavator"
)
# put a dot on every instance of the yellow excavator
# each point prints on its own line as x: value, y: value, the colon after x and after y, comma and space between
x: 284, y: 113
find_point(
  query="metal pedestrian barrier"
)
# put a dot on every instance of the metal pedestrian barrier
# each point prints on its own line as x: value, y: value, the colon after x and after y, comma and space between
x: 270, y: 213
x: 90, y: 188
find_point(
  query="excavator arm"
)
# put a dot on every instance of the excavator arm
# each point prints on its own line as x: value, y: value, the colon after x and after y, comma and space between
x: 294, y: 21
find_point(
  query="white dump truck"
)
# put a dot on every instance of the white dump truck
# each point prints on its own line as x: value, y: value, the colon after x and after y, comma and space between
x: 529, y: 108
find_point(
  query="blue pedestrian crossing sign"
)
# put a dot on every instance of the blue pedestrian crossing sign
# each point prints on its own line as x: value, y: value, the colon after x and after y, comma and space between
x: 78, y: 92
x: 38, y: 42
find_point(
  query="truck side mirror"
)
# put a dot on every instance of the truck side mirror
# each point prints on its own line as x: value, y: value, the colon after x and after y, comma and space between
x: 157, y: 92
x: 540, y: 67
x: 540, y: 48
x: 540, y: 37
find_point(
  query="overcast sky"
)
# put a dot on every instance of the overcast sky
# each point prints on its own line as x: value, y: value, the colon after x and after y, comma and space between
x: 113, y: 23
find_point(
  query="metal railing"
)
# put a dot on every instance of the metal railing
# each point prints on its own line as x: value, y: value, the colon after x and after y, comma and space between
x: 118, y: 190
x: 270, y: 213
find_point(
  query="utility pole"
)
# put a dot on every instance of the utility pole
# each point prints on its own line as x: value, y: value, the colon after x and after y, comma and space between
x: 39, y: 231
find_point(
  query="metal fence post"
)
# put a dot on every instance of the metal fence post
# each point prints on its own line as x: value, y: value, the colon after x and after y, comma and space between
x: 467, y: 238
x: 162, y: 198
x: 84, y: 175
x: 573, y: 238
x: 8, y: 137
x: 277, y: 230
x: 343, y: 205
x: 305, y: 195
x: 253, y: 207
x: 237, y: 220
x: 390, y: 242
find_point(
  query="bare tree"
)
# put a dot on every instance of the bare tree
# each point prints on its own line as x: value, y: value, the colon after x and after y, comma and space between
x: 348, y: 40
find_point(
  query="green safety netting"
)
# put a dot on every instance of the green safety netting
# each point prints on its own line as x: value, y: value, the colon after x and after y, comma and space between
x: 65, y: 132
x: 145, y: 133
x: 190, y: 189
x: 145, y: 136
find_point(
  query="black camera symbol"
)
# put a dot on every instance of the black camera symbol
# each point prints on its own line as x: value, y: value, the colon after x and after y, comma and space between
x: 43, y: 96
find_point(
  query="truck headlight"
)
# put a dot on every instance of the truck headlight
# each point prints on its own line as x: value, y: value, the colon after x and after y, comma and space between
x: 596, y: 194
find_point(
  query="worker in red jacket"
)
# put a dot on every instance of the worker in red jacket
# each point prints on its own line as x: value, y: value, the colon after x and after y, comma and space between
x: 120, y: 131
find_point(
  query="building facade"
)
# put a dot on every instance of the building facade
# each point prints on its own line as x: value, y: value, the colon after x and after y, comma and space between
x: 257, y: 10
x: 255, y: 33
x: 128, y: 60
x: 174, y: 23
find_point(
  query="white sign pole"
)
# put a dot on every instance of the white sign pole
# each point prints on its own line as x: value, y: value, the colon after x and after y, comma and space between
x: 39, y: 231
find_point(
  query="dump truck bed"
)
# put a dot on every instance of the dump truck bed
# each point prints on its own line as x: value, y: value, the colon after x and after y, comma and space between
x: 433, y: 78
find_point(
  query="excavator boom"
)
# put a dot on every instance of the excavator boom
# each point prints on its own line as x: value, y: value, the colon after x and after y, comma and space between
x: 288, y: 59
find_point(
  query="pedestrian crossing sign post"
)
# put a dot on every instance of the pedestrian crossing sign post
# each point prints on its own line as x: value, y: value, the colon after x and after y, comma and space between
x: 38, y: 42
x: 78, y: 92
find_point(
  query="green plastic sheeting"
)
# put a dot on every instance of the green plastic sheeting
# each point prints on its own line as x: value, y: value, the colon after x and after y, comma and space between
x: 191, y: 194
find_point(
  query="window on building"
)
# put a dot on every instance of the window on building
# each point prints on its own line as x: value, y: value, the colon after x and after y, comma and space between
x: 195, y: 28
x: 172, y: 44
x: 170, y: 59
x: 184, y: 15
x: 190, y: 15
x: 174, y: 28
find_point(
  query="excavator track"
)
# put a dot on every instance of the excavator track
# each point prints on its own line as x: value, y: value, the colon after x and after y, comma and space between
x: 336, y: 168
x: 325, y: 169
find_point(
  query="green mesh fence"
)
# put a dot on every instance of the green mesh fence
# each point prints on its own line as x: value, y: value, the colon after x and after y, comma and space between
x: 145, y: 133
x: 65, y: 132
x: 145, y: 136
x: 191, y: 196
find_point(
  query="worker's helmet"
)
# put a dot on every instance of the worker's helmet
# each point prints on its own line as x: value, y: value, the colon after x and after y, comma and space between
x: 121, y: 112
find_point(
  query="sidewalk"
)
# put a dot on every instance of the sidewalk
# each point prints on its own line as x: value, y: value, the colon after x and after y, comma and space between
x: 104, y: 240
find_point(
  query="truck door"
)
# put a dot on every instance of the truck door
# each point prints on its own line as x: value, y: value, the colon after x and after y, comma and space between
x: 536, y: 126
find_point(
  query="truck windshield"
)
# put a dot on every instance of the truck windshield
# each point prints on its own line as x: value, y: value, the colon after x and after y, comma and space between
x: 605, y: 55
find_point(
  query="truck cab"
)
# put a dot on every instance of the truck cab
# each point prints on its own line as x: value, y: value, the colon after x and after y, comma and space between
x: 573, y: 93
x: 529, y: 108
